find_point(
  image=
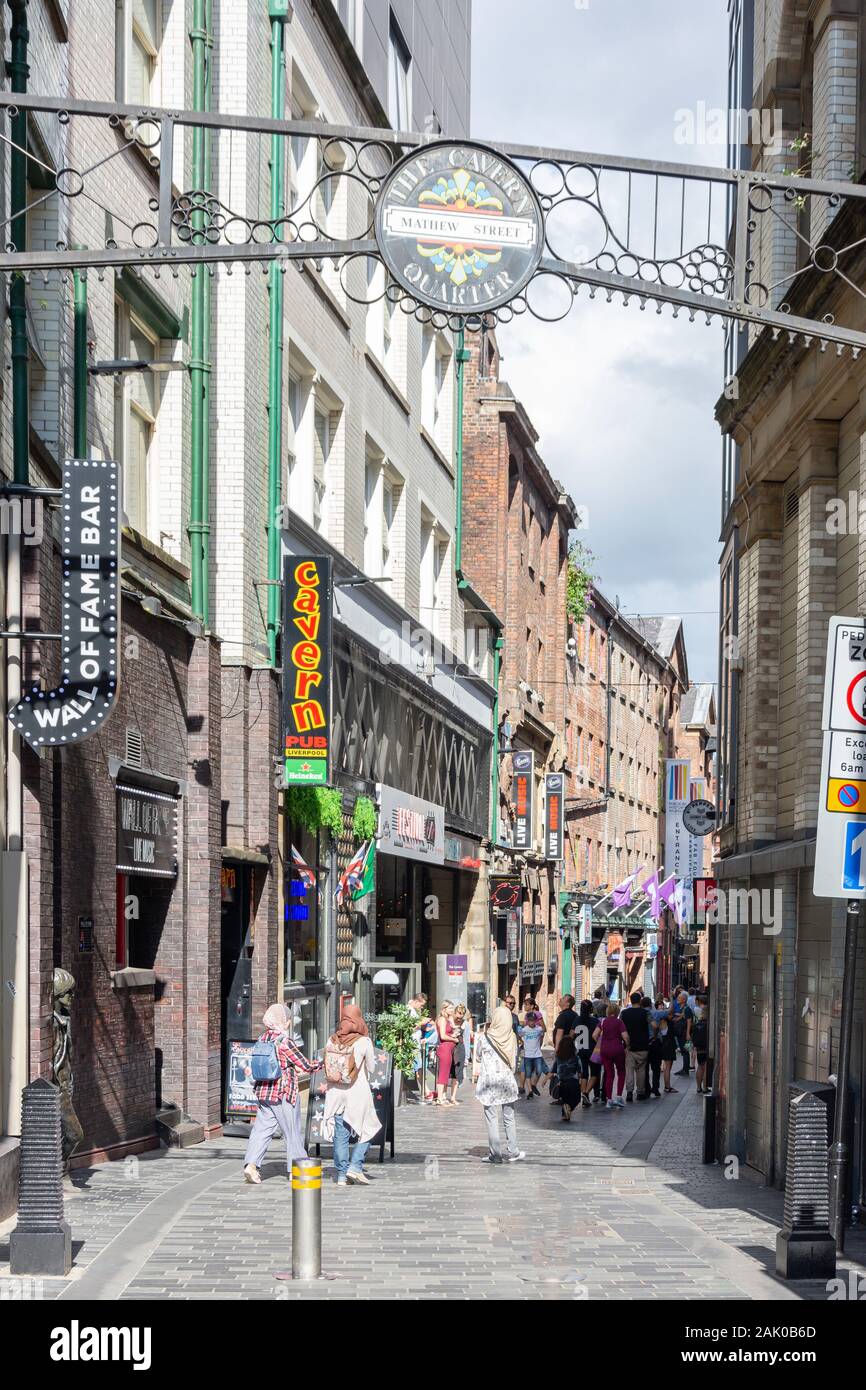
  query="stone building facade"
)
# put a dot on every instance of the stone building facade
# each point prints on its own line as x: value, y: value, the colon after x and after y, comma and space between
x: 795, y: 427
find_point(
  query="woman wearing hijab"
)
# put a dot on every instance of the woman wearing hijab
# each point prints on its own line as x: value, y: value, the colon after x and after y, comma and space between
x: 279, y: 1106
x: 349, y: 1107
x: 493, y: 1065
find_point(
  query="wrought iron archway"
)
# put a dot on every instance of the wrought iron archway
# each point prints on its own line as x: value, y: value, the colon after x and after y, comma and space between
x: 680, y: 236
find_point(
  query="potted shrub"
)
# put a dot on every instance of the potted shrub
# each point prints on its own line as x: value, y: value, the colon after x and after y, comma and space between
x: 394, y: 1029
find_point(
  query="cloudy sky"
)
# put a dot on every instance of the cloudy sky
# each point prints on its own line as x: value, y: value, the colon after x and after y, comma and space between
x: 622, y: 400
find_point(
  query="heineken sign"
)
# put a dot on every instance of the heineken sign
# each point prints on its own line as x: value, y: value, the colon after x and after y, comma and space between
x: 307, y: 668
x: 89, y: 608
x: 459, y: 227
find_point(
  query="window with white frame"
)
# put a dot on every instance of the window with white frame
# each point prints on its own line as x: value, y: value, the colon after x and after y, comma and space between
x: 135, y: 416
x: 436, y: 385
x: 382, y: 491
x: 138, y: 36
x: 399, y: 65
x: 323, y: 440
x: 303, y: 149
x: 434, y: 546
x: 390, y: 495
x: 351, y: 14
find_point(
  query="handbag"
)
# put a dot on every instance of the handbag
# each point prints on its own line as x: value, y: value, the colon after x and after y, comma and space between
x: 596, y: 1056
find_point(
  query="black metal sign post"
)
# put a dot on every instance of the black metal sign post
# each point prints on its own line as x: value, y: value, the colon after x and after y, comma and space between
x: 839, y: 1157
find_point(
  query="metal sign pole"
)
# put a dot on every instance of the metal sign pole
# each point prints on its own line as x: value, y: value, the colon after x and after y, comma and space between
x: 839, y: 1157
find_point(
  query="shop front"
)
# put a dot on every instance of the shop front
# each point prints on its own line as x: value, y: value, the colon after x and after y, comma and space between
x: 416, y: 900
x: 308, y: 920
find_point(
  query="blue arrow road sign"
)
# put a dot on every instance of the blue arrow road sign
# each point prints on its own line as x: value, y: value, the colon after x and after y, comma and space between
x: 854, y: 863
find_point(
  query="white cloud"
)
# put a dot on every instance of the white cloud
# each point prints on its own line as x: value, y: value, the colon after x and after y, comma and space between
x: 622, y: 398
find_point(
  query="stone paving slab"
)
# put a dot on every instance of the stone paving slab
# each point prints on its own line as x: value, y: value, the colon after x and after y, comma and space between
x: 585, y: 1216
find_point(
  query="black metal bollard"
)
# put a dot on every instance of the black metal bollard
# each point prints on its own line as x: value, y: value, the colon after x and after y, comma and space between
x: 41, y: 1242
x: 805, y: 1249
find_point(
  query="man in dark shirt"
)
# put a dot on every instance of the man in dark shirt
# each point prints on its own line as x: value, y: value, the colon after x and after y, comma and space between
x: 635, y: 1021
x: 566, y: 1020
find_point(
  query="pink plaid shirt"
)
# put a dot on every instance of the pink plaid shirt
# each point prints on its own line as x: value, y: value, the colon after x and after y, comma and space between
x: 291, y: 1062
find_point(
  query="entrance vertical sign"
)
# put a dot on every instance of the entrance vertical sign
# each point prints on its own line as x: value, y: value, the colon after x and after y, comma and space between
x: 307, y: 619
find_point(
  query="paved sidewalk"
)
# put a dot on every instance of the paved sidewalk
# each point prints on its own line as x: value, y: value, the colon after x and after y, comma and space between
x: 586, y: 1215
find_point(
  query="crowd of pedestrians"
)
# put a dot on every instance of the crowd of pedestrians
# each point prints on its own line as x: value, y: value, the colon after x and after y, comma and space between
x: 601, y: 1054
x: 605, y: 1054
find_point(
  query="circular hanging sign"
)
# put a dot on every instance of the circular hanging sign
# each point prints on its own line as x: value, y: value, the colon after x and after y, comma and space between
x: 699, y: 817
x: 459, y: 227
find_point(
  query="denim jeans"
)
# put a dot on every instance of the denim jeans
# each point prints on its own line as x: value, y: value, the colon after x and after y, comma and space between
x: 341, y: 1149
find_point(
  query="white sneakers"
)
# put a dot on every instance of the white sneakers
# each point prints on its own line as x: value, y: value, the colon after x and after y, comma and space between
x: 252, y: 1174
x: 358, y: 1177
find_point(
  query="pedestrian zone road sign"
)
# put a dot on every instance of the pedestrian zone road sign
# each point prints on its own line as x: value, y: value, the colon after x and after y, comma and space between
x: 840, y: 849
x: 845, y: 677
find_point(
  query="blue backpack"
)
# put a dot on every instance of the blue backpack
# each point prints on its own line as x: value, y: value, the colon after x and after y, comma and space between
x: 264, y: 1062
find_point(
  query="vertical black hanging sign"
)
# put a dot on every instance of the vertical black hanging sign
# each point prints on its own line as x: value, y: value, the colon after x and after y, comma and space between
x: 90, y: 613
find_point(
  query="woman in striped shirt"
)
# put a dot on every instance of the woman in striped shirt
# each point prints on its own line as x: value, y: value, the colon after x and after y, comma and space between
x: 279, y: 1106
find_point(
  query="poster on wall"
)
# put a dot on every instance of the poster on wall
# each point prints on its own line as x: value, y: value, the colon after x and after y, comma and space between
x: 307, y: 616
x: 146, y: 829
x: 523, y: 766
x: 240, y: 1096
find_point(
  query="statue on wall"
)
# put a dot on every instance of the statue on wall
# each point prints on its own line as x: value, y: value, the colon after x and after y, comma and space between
x: 72, y: 1132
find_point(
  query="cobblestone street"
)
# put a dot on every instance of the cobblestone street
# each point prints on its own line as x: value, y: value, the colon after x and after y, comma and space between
x: 587, y: 1215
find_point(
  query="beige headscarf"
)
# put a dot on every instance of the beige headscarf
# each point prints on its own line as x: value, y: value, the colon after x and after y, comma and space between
x: 277, y: 1018
x: 500, y: 1034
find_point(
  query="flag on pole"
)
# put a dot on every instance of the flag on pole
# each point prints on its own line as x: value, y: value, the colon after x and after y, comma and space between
x: 651, y: 888
x: 680, y: 904
x: 358, y: 876
x: 667, y: 890
x: 303, y: 870
x: 621, y: 895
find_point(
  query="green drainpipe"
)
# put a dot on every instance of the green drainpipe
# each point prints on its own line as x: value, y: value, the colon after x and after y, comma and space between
x: 206, y: 358
x: 18, y: 71
x: 276, y: 11
x: 494, y: 771
x: 198, y: 365
x: 79, y: 364
x: 461, y: 358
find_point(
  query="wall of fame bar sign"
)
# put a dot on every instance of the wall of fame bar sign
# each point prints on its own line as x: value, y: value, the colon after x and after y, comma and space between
x: 90, y: 613
x: 459, y: 227
x: 307, y: 668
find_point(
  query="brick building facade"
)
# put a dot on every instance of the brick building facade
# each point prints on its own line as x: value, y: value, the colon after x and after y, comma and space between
x: 517, y: 520
x: 626, y: 679
x: 168, y: 972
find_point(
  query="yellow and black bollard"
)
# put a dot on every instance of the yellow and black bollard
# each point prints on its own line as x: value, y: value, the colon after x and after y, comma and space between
x: 306, y: 1218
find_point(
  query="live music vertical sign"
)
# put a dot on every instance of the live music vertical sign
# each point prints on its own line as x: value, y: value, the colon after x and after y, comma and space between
x: 553, y: 807
x: 307, y: 617
x: 523, y: 766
